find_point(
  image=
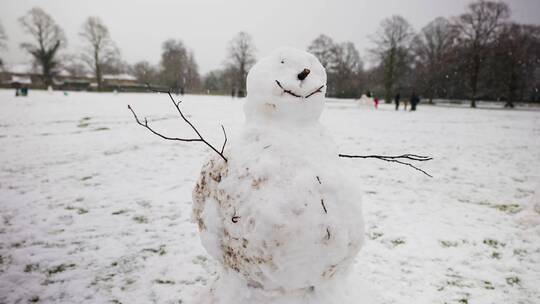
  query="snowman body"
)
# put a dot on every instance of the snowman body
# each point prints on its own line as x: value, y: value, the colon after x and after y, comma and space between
x: 280, y: 215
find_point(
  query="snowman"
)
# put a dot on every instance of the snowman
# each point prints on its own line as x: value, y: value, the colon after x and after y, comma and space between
x: 280, y: 215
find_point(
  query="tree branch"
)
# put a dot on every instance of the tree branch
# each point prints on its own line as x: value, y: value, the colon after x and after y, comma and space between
x: 225, y: 141
x: 177, y: 106
x: 145, y: 124
x: 396, y: 159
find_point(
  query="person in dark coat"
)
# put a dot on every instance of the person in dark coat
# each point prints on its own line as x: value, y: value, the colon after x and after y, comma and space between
x: 396, y: 101
x: 415, y: 100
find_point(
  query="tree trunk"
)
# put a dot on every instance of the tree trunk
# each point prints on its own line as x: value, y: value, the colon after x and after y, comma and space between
x: 98, y: 69
x: 475, y: 71
x: 389, y: 77
x: 46, y: 73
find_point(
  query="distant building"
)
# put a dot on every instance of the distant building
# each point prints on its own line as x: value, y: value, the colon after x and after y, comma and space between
x: 121, y: 82
x: 23, y: 75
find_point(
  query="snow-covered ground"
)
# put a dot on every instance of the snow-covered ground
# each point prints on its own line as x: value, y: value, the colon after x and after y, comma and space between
x: 96, y: 209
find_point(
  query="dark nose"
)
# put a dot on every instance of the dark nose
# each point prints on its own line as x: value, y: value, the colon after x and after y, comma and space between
x: 303, y: 74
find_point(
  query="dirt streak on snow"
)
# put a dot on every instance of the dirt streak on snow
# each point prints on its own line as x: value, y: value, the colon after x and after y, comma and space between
x: 95, y: 209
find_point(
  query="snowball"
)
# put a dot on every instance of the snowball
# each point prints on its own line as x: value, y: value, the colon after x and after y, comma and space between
x: 276, y: 93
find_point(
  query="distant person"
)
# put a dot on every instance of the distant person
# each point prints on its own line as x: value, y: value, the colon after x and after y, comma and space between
x: 396, y: 101
x: 182, y: 91
x: 376, y: 101
x: 240, y: 93
x: 415, y: 100
x: 233, y: 93
x: 405, y: 104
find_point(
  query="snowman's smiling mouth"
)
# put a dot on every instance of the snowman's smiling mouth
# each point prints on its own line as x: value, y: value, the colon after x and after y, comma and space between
x: 318, y: 90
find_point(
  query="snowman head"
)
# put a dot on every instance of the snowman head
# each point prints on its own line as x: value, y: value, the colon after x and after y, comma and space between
x: 287, y: 86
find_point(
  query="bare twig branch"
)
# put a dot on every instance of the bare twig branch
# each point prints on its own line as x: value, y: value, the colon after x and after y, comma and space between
x: 225, y: 141
x: 323, y: 206
x: 145, y: 124
x: 287, y: 91
x: 177, y: 106
x: 395, y: 159
x: 403, y: 156
x: 235, y: 218
x: 319, y: 90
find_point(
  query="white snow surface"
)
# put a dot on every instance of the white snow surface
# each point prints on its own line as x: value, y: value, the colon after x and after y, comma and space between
x: 95, y: 209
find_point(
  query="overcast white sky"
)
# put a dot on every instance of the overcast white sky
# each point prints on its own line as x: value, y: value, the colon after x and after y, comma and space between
x: 139, y: 27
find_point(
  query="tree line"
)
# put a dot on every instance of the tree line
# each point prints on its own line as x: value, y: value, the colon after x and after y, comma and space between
x: 177, y: 69
x: 480, y: 54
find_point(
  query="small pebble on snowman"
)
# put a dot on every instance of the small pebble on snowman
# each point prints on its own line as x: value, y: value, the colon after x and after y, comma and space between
x: 278, y: 212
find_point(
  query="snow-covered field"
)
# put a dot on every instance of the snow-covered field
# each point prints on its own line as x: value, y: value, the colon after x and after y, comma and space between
x: 96, y: 209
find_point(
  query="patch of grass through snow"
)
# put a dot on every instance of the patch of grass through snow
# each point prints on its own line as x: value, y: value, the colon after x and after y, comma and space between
x: 141, y: 219
x: 494, y: 243
x: 488, y: 285
x: 448, y: 244
x: 508, y: 208
x: 397, y: 242
x: 31, y: 267
x: 514, y: 280
x: 121, y: 211
x: 84, y: 122
x: 78, y: 209
x: 60, y: 268
x: 375, y: 235
x: 161, y: 250
x: 160, y: 281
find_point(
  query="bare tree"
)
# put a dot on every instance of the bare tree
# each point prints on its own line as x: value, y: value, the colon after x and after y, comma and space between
x: 345, y: 71
x: 433, y: 47
x: 49, y: 38
x: 74, y: 65
x: 100, y: 49
x: 323, y: 47
x: 343, y: 66
x: 145, y: 72
x: 391, y: 50
x: 212, y: 82
x: 478, y: 29
x: 3, y: 39
x: 516, y: 57
x: 241, y: 56
x: 220, y: 81
x: 174, y: 62
x: 193, y: 79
